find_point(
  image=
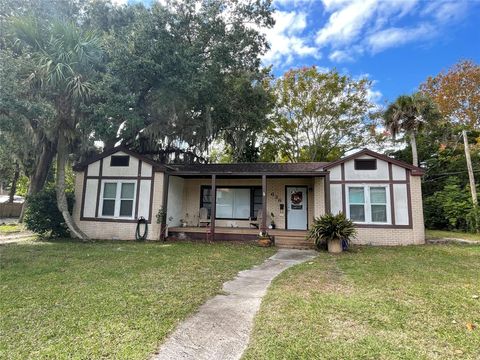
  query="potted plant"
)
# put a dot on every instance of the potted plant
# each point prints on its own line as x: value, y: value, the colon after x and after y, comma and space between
x: 272, y: 222
x: 264, y: 240
x: 332, y: 229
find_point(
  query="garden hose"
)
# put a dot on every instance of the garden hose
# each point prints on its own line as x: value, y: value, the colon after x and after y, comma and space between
x: 145, y: 232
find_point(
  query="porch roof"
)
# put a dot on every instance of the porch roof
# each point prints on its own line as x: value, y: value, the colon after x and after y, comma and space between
x: 242, y: 170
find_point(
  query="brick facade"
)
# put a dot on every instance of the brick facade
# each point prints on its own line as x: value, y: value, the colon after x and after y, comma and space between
x: 117, y: 230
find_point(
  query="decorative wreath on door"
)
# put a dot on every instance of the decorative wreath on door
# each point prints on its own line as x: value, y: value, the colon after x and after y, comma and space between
x: 296, y: 197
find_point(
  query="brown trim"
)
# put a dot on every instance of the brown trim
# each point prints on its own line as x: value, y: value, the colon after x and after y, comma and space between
x: 382, y: 226
x: 326, y: 184
x: 117, y: 220
x: 392, y: 199
x: 368, y: 181
x: 84, y: 189
x: 314, y: 173
x: 150, y: 206
x: 344, y: 197
x: 409, y: 199
x: 417, y: 171
x: 166, y: 187
x: 214, y: 207
x: 100, y: 172
x: 264, y: 204
x: 286, y: 206
x: 139, y: 175
x: 122, y: 177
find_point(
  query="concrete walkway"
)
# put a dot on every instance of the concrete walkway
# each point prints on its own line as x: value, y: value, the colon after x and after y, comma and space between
x: 221, y: 327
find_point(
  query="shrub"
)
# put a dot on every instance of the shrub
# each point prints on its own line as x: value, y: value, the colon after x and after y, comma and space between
x: 42, y: 215
x: 331, y: 227
x: 451, y: 208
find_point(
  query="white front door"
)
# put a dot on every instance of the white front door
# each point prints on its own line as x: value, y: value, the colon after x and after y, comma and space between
x: 296, y: 207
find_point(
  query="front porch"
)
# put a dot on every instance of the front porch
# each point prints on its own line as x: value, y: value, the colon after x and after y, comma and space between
x: 296, y: 239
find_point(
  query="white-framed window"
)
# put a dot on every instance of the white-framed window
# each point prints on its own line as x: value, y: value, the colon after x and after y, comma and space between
x: 117, y: 199
x: 233, y: 203
x: 368, y: 204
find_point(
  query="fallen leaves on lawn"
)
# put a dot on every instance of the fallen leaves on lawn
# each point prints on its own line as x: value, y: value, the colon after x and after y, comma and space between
x: 471, y: 326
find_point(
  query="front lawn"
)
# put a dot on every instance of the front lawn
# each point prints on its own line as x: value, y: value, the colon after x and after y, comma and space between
x: 411, y: 302
x: 7, y: 229
x: 441, y: 234
x: 109, y: 300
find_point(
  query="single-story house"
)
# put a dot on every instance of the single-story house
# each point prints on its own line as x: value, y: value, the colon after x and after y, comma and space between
x: 380, y: 194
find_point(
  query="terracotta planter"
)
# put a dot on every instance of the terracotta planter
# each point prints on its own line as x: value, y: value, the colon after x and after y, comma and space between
x: 335, y: 246
x: 264, y: 242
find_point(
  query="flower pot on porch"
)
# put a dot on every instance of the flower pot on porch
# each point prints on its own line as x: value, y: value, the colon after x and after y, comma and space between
x: 264, y: 241
x: 334, y: 246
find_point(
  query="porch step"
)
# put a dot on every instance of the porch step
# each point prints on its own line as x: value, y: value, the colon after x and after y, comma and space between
x: 293, y: 242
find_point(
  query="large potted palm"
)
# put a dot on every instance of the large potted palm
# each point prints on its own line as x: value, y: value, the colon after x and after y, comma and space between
x: 332, y: 230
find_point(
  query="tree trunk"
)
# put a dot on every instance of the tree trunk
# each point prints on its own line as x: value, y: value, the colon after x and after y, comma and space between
x: 62, y: 152
x: 13, y: 188
x: 413, y: 143
x: 471, y: 177
x: 40, y: 174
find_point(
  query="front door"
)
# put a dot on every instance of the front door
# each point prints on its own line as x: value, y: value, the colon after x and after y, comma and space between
x: 296, y: 207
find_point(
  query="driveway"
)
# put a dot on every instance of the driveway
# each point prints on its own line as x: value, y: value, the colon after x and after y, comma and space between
x: 222, y: 326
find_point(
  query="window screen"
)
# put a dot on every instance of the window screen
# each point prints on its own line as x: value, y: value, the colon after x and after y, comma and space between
x: 356, y: 196
x: 378, y: 201
x: 120, y: 160
x: 126, y: 199
x: 109, y: 196
x: 233, y: 203
x: 365, y: 164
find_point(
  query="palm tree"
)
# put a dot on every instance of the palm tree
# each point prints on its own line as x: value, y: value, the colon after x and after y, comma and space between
x: 409, y: 114
x: 66, y: 58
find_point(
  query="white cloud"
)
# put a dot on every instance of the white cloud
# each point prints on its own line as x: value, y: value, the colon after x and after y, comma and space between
x: 391, y: 37
x: 355, y: 27
x: 286, y: 40
x: 340, y: 56
x: 346, y: 23
x: 119, y: 2
x: 446, y: 11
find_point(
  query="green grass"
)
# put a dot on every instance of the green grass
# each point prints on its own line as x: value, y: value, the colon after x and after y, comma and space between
x: 439, y: 234
x: 374, y: 303
x: 109, y: 300
x: 7, y: 229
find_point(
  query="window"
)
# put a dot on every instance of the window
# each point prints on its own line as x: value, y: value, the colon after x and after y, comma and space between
x: 365, y: 164
x: 119, y: 160
x: 356, y: 197
x: 117, y: 199
x: 378, y: 204
x: 368, y: 204
x: 233, y: 202
x: 257, y: 201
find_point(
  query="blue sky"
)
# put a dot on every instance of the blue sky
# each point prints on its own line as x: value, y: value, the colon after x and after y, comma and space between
x: 396, y: 43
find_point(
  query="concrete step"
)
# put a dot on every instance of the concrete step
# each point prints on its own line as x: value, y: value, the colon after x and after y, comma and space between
x: 293, y: 242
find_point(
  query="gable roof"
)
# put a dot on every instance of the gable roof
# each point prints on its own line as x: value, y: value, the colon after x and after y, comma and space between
x: 417, y: 171
x: 83, y: 165
x: 301, y: 168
